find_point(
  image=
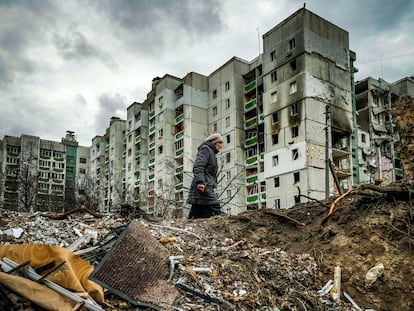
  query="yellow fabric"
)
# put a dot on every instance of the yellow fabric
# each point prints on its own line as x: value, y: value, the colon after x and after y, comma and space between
x: 72, y: 276
x: 41, y: 295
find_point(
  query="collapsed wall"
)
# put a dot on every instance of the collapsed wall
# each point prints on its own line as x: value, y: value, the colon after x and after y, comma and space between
x: 403, y: 112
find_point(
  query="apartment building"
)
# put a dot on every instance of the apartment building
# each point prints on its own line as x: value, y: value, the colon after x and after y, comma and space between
x: 378, y: 138
x: 38, y: 174
x: 307, y: 108
x: 286, y: 118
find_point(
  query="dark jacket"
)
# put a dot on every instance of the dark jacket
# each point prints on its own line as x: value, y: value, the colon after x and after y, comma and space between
x: 205, y: 172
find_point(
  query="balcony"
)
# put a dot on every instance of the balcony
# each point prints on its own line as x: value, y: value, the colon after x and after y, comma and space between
x: 252, y: 122
x: 251, y: 160
x: 179, y: 135
x: 263, y: 197
x: 252, y: 199
x: 399, y: 172
x: 151, y: 161
x: 251, y: 141
x: 179, y: 186
x: 179, y: 153
x: 250, y: 87
x: 138, y: 139
x: 251, y: 179
x: 179, y: 170
x: 179, y: 118
x: 152, y: 129
x: 137, y: 183
x: 137, y: 154
x: 151, y: 177
x: 250, y: 104
x: 152, y: 145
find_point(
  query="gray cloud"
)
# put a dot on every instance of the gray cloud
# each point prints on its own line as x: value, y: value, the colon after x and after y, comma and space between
x: 109, y: 106
x: 73, y: 45
x: 23, y: 24
x: 150, y: 25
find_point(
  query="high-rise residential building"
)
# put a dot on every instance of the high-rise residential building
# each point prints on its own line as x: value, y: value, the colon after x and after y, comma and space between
x: 307, y: 107
x: 286, y: 119
x: 38, y: 174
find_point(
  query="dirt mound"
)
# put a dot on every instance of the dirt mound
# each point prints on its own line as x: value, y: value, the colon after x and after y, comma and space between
x: 366, y: 229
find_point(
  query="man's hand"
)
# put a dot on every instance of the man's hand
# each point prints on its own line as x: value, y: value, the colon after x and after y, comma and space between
x: 201, y: 187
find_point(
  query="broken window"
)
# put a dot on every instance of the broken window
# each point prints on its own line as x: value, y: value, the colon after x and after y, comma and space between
x: 293, y: 65
x: 215, y: 94
x: 296, y: 177
x: 275, y: 139
x: 227, y: 86
x: 214, y: 111
x: 275, y: 117
x: 227, y: 121
x: 276, y: 182
x: 277, y: 204
x: 273, y: 76
x: 292, y: 44
x: 363, y: 139
x: 295, y: 131
x: 297, y: 199
x: 293, y: 88
x: 294, y: 109
x: 295, y: 154
x: 228, y: 139
x: 272, y: 56
x: 215, y: 127
x: 228, y: 157
x: 275, y: 160
x: 274, y: 97
x: 227, y: 103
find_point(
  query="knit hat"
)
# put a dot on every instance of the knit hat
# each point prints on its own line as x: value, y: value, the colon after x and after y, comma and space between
x: 215, y: 138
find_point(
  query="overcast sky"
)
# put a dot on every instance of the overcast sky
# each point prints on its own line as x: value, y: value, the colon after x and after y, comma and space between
x: 72, y: 65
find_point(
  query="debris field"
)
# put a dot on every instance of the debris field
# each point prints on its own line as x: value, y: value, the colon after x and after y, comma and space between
x: 258, y: 260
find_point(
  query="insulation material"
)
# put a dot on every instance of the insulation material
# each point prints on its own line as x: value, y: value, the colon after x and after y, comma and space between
x: 73, y: 275
x: 136, y: 268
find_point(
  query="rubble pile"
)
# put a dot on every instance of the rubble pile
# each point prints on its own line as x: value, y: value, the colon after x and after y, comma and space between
x: 263, y: 259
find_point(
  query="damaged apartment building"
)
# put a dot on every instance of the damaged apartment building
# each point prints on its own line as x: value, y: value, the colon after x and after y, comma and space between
x: 286, y: 118
x: 379, y: 149
x: 293, y: 128
x: 38, y: 174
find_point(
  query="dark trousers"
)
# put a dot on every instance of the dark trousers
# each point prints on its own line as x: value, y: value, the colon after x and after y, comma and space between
x: 204, y: 211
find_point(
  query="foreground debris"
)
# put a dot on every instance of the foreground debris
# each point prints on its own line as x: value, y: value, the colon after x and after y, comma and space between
x: 260, y: 260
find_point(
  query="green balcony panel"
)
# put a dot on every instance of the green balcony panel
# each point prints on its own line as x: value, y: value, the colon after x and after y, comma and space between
x: 250, y: 123
x: 252, y: 160
x: 152, y: 129
x: 151, y: 177
x: 252, y: 179
x: 179, y: 186
x: 250, y: 86
x: 179, y: 118
x: 253, y: 198
x: 249, y: 105
x: 251, y: 141
x: 263, y: 196
x: 179, y: 170
x: 399, y: 172
x: 179, y: 153
x: 179, y: 135
x: 152, y: 160
x: 152, y: 145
